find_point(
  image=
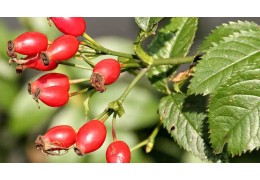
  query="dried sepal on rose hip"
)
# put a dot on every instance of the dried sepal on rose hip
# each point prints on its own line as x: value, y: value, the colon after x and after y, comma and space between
x: 28, y: 43
x: 118, y: 152
x: 62, y: 48
x: 74, y: 26
x: 58, y: 138
x: 105, y: 72
x: 90, y: 137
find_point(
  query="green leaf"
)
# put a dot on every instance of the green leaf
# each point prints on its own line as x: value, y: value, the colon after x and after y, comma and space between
x: 147, y: 23
x: 234, y: 112
x: 226, y: 30
x: 183, y: 118
x: 222, y: 61
x: 173, y: 39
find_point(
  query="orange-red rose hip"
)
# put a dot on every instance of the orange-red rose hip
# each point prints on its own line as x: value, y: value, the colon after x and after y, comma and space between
x: 55, y: 139
x: 90, y: 137
x: 105, y: 72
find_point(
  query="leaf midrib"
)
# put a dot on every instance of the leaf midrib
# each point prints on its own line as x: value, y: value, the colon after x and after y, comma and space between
x: 177, y: 35
x: 230, y: 65
x: 179, y: 108
x: 239, y: 121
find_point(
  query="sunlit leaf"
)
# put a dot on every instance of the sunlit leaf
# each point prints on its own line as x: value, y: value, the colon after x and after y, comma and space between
x: 234, y: 113
x: 222, y: 61
x: 226, y: 30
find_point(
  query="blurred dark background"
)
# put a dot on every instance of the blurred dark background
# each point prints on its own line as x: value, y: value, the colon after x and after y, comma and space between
x: 21, y: 121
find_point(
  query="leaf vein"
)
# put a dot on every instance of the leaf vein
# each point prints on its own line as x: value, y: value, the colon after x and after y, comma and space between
x: 231, y: 65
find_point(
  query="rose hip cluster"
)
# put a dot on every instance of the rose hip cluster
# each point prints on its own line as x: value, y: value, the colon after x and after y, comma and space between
x: 33, y: 50
x: 90, y: 137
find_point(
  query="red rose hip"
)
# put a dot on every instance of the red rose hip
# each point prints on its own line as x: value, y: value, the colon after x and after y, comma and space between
x: 28, y: 43
x: 105, y: 72
x: 34, y: 62
x: 90, y: 137
x: 118, y: 152
x: 53, y: 96
x: 62, y: 48
x: 74, y: 26
x: 48, y: 80
x: 55, y: 139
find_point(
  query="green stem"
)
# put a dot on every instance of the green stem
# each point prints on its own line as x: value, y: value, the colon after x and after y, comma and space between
x: 107, y: 115
x: 87, y: 61
x: 74, y: 81
x: 92, y: 41
x: 116, y: 106
x: 132, y: 84
x: 155, y: 131
x: 84, y: 48
x: 149, y: 142
x: 96, y: 46
x: 173, y: 61
x: 91, y: 46
x: 74, y: 65
x: 127, y: 65
x: 88, y: 54
x: 114, y: 127
x: 134, y: 63
x: 143, y: 56
x: 78, y: 92
x: 154, y: 62
x: 141, y: 144
x: 102, y: 114
x: 152, y: 137
x: 116, y: 53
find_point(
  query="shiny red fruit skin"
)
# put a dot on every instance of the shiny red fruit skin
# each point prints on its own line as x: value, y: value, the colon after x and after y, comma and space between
x: 48, y: 80
x: 109, y: 68
x: 74, y: 26
x: 54, y: 96
x: 63, y: 136
x: 90, y: 137
x: 36, y: 63
x: 62, y: 48
x: 30, y: 43
x: 118, y: 152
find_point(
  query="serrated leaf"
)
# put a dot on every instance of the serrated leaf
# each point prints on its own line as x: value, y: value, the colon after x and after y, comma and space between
x: 147, y: 23
x: 234, y: 113
x: 173, y: 39
x: 222, y: 61
x: 225, y: 30
x: 183, y: 118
